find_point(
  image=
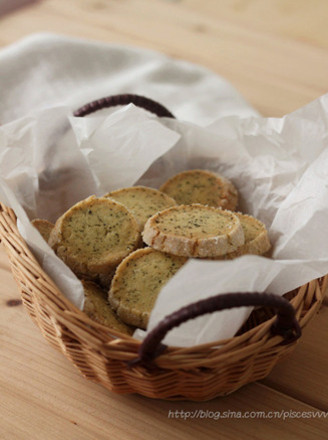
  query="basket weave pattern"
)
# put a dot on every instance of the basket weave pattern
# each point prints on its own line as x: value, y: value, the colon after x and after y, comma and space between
x: 101, y: 354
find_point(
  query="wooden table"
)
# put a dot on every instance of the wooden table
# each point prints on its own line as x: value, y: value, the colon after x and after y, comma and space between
x: 275, y: 52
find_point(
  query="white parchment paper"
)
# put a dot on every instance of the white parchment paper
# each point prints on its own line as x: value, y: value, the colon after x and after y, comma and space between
x: 50, y: 160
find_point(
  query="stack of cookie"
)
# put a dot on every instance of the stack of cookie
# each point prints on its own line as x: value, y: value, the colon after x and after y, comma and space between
x: 103, y: 239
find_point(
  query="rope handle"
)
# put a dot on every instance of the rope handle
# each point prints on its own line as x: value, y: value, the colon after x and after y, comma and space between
x: 125, y: 99
x: 285, y: 324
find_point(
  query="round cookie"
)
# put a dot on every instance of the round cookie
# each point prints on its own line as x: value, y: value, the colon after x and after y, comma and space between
x: 143, y: 202
x: 94, y: 236
x: 138, y: 281
x: 201, y: 186
x: 44, y: 227
x: 257, y: 240
x: 194, y: 231
x: 98, y: 309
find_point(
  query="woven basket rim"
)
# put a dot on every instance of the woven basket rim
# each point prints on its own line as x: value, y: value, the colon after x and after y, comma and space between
x: 104, y: 355
x: 106, y: 336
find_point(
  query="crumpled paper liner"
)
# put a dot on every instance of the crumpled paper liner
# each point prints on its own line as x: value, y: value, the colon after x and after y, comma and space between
x: 50, y: 160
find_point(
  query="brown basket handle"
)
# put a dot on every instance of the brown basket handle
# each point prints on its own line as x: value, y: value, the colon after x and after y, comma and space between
x: 125, y: 99
x: 285, y: 325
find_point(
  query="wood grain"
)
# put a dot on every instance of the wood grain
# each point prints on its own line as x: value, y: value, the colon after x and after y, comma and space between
x: 275, y: 53
x: 43, y: 396
x: 266, y: 49
x: 303, y: 375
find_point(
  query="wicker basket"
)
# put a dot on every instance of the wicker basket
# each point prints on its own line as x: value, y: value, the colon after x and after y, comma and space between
x: 125, y: 365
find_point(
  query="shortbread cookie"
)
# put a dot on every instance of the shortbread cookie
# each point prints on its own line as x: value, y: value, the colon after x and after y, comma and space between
x: 138, y: 281
x: 98, y: 309
x: 94, y: 236
x: 257, y: 240
x: 194, y: 231
x: 143, y: 202
x: 201, y: 186
x: 43, y: 226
